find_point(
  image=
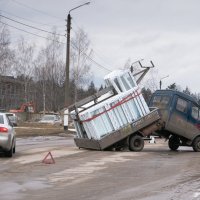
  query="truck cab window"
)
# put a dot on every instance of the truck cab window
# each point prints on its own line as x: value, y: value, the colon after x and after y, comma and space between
x: 195, y: 112
x: 181, y: 105
x: 156, y: 100
x: 161, y: 101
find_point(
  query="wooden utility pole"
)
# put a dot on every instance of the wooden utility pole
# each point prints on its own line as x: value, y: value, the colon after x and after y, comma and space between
x: 67, y: 92
x: 67, y: 61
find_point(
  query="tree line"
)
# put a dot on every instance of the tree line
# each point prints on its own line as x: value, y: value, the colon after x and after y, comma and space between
x: 42, y: 69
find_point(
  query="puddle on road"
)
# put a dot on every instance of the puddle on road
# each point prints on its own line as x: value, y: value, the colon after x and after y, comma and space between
x: 15, y: 191
x: 19, y: 190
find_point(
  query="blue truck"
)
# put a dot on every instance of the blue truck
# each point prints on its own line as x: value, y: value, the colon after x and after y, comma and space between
x: 172, y: 115
x: 181, y: 116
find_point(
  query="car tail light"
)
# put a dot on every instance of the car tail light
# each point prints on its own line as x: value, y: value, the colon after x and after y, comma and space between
x: 3, y: 130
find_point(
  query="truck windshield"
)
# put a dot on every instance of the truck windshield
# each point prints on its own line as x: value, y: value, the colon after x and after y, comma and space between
x: 160, y: 101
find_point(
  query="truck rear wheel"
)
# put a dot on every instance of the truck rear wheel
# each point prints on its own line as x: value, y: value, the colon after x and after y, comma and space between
x: 136, y: 143
x: 174, y: 143
x: 196, y: 144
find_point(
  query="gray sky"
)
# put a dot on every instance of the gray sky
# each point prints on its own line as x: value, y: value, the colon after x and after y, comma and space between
x: 166, y: 32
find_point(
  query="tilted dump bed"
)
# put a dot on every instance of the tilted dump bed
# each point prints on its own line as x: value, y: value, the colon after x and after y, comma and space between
x: 112, y: 116
x: 146, y: 125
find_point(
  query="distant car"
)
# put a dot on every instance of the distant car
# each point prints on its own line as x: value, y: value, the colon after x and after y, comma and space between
x: 7, y: 136
x: 51, y: 119
x: 13, y: 118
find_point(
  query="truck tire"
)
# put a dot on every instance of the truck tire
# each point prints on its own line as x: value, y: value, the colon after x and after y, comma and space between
x: 196, y: 144
x: 136, y: 143
x: 174, y: 143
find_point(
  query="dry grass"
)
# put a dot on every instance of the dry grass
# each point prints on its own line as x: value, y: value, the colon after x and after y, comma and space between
x: 37, y: 129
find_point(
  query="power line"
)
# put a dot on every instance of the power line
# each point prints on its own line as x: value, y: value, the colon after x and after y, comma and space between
x: 26, y: 19
x: 30, y: 32
x: 92, y: 60
x: 36, y: 10
x: 72, y: 44
x: 39, y: 29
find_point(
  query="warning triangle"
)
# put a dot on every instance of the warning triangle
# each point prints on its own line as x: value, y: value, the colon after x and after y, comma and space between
x: 49, y: 159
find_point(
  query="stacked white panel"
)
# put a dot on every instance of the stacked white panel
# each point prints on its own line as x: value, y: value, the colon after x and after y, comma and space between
x: 116, y: 112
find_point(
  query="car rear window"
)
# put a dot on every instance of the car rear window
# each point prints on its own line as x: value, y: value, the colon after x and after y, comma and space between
x: 160, y: 101
x: 1, y: 119
x: 9, y: 114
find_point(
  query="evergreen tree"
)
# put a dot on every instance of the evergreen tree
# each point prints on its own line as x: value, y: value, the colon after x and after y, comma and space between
x: 187, y: 91
x: 146, y: 94
x: 172, y: 86
x: 91, y: 89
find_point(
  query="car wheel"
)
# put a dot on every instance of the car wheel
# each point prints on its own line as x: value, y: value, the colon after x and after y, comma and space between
x: 196, y: 144
x: 14, y: 149
x: 136, y: 143
x: 174, y: 143
x: 10, y: 152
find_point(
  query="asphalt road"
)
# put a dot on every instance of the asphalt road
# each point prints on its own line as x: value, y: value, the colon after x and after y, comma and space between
x: 154, y: 173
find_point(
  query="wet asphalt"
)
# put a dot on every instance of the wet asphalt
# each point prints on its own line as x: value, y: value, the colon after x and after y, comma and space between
x: 154, y: 173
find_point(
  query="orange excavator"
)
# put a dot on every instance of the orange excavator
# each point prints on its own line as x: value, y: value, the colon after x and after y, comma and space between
x: 25, y: 107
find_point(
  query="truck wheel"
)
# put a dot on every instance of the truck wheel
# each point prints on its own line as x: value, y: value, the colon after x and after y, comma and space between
x: 136, y: 143
x: 174, y: 143
x: 196, y: 144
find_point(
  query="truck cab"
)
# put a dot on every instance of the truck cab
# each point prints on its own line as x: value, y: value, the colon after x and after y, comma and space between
x: 181, y: 115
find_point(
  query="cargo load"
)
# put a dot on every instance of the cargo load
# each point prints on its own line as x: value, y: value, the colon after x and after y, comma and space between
x: 110, y: 115
x: 117, y: 116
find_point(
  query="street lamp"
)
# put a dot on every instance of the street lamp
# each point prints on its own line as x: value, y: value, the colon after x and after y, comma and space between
x: 161, y: 81
x: 66, y: 112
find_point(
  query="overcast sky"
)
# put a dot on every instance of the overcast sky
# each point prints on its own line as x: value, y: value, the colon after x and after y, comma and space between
x: 166, y: 32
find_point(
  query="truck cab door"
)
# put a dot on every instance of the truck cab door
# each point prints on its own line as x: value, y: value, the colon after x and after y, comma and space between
x: 193, y: 125
x: 178, y: 118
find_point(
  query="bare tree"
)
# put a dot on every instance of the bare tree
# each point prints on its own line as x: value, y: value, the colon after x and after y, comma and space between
x: 80, y: 66
x: 49, y: 72
x: 24, y: 58
x: 6, y: 54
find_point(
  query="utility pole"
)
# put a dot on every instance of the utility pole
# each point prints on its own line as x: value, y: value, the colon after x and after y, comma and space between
x: 66, y: 112
x: 161, y: 81
x: 67, y: 61
x: 67, y: 92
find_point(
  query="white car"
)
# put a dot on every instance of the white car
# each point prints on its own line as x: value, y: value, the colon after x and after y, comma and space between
x: 51, y: 119
x: 7, y: 136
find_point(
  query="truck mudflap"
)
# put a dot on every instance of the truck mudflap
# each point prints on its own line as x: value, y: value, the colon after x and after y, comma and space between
x: 145, y: 126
